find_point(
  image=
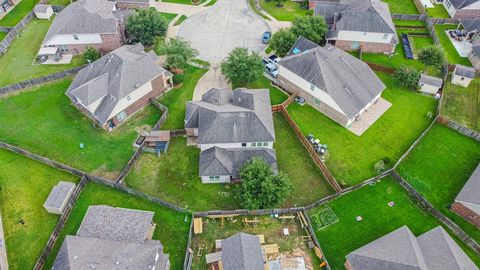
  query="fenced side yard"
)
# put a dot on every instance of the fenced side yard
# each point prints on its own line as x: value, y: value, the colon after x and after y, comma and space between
x: 462, y: 104
x: 452, y: 55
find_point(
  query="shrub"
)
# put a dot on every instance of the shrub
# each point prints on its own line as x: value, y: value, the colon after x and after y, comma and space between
x: 178, y: 78
x: 379, y: 166
x: 178, y: 53
x: 432, y: 56
x: 90, y: 55
x: 407, y: 77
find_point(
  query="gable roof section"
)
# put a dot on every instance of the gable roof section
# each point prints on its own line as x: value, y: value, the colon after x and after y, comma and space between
x: 430, y: 80
x: 459, y: 4
x: 471, y: 24
x: 302, y: 44
x: 242, y: 252
x: 58, y: 194
x: 470, y: 192
x: 464, y: 71
x: 349, y: 81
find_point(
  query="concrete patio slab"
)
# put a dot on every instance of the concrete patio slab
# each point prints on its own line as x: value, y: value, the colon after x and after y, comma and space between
x: 370, y: 116
x: 463, y: 48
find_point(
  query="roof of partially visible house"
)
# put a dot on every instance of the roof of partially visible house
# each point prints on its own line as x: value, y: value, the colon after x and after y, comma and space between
x: 430, y: 80
x: 350, y: 82
x: 242, y: 252
x: 470, y: 192
x: 134, y: 1
x: 459, y: 4
x: 471, y: 24
x: 228, y: 161
x: 58, y: 194
x: 225, y: 116
x: 302, y: 44
x: 113, y: 77
x: 106, y: 222
x: 41, y: 8
x: 464, y: 71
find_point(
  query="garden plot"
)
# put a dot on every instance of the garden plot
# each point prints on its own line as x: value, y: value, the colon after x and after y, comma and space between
x: 323, y: 217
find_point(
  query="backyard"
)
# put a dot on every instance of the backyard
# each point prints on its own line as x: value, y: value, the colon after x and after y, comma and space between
x: 402, y: 6
x: 352, y: 158
x: 45, y: 122
x: 462, y: 104
x: 452, y: 55
x: 16, y: 64
x: 18, y: 12
x: 34, y: 181
x: 171, y: 227
x: 438, y: 179
x: 288, y: 12
x: 438, y: 11
x: 371, y: 203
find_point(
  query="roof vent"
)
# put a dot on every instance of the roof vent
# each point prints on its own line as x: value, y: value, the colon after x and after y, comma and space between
x: 137, y: 85
x: 75, y: 257
x: 117, y: 263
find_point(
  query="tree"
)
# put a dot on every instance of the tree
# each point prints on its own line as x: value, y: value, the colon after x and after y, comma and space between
x: 260, y: 188
x: 432, y: 56
x: 146, y: 24
x: 279, y: 3
x: 178, y: 52
x: 313, y: 28
x: 242, y: 68
x: 90, y: 55
x: 282, y: 41
x: 407, y: 77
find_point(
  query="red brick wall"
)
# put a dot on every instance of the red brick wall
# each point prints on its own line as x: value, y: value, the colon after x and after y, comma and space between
x: 348, y: 266
x: 312, y: 4
x: 367, y: 47
x: 467, y: 13
x: 466, y: 213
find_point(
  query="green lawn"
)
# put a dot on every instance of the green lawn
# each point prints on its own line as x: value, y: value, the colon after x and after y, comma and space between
x: 400, y: 23
x: 418, y: 43
x: 2, y: 35
x: 352, y: 158
x: 16, y: 63
x: 439, y: 180
x: 251, y: 3
x: 277, y: 96
x: 402, y: 6
x: 452, y: 55
x: 370, y: 202
x: 59, y: 2
x: 462, y: 104
x: 176, y: 99
x: 171, y: 227
x: 438, y: 11
x: 18, y: 13
x: 45, y: 122
x: 180, y: 20
x: 184, y: 2
x: 168, y: 16
x: 288, y: 12
x: 25, y: 185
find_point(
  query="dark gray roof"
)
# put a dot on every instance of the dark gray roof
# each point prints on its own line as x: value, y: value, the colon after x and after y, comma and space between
x: 459, y: 4
x: 302, y: 44
x: 471, y: 24
x: 470, y: 192
x: 349, y: 81
x: 430, y: 80
x: 134, y: 1
x: 114, y: 223
x: 464, y: 71
x: 113, y: 77
x: 58, y: 194
x: 228, y: 161
x: 357, y: 15
x: 223, y: 116
x: 476, y: 50
x: 242, y: 252
x: 79, y: 253
x: 41, y: 8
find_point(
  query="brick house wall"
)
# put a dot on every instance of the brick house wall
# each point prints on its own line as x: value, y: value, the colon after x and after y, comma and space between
x: 467, y: 13
x: 130, y: 6
x: 109, y: 43
x: 348, y: 266
x: 466, y: 213
x: 367, y: 47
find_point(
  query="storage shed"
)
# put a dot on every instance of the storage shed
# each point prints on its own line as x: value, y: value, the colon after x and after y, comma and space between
x: 58, y: 198
x: 463, y: 75
x: 429, y: 84
x: 43, y: 11
x: 158, y: 139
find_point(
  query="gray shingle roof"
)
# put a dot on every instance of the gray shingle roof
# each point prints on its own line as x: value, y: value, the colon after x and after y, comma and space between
x: 113, y: 77
x: 302, y: 44
x: 470, y: 192
x: 134, y: 1
x: 471, y: 24
x: 221, y: 161
x: 41, y: 8
x: 58, y: 194
x: 459, y: 4
x: 430, y: 80
x: 464, y: 71
x: 113, y: 223
x: 242, y: 252
x: 476, y: 50
x: 225, y: 117
x: 349, y: 81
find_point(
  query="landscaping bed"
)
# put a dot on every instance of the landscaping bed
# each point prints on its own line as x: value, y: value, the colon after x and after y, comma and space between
x: 25, y: 185
x: 288, y: 12
x: 462, y: 104
x: 452, y: 55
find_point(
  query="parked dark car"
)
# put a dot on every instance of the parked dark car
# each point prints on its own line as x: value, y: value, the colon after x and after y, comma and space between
x: 266, y: 37
x: 274, y: 58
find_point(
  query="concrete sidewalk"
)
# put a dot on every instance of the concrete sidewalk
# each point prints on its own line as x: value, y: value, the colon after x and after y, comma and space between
x: 187, y: 10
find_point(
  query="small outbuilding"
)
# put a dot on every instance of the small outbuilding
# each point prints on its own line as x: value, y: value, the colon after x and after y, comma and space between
x: 429, y: 84
x: 58, y: 198
x: 43, y: 11
x: 463, y: 75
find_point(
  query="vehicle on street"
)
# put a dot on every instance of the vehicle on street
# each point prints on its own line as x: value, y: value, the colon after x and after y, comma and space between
x: 266, y: 37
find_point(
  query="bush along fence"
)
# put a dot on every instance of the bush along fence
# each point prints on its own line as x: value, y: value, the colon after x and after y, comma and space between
x: 14, y: 32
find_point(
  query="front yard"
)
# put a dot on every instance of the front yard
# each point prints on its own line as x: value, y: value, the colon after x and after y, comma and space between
x: 462, y: 104
x: 352, y: 158
x: 452, y: 55
x: 25, y: 185
x: 371, y: 203
x: 288, y: 12
x: 439, y: 167
x: 45, y: 122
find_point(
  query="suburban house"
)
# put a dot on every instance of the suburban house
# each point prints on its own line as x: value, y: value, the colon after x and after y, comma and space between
x: 85, y: 23
x: 467, y: 202
x: 401, y: 250
x: 230, y: 128
x: 463, y: 75
x: 132, y: 4
x: 59, y: 197
x: 44, y: 12
x: 470, y: 38
x: 364, y: 25
x: 113, y: 238
x: 331, y: 80
x: 462, y: 8
x: 429, y: 84
x: 474, y: 57
x: 118, y: 85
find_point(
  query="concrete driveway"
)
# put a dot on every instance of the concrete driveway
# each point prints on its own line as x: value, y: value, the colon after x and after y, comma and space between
x: 225, y: 26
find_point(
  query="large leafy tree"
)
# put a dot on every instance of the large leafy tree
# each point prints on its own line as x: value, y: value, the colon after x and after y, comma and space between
x: 282, y: 41
x: 260, y: 188
x: 146, y: 24
x: 313, y: 28
x: 407, y: 77
x: 241, y: 67
x: 432, y: 56
x: 177, y: 53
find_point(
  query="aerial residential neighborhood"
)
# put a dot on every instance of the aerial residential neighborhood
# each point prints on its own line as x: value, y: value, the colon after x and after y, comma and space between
x: 240, y: 134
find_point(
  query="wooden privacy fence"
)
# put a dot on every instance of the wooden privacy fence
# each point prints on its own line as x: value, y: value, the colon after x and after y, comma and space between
x: 126, y: 170
x: 5, y: 43
x: 164, y: 116
x: 459, y: 128
x: 381, y: 68
x: 187, y: 261
x: 409, y: 17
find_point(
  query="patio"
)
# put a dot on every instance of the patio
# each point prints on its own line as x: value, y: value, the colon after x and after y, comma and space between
x: 370, y: 116
x: 462, y: 47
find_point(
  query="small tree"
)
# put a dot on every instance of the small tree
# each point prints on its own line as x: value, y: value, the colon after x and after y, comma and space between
x: 178, y: 52
x: 146, y: 24
x: 90, y: 55
x: 282, y: 41
x: 242, y: 68
x: 407, y: 77
x: 432, y: 56
x: 279, y: 3
x: 313, y: 28
x: 260, y: 188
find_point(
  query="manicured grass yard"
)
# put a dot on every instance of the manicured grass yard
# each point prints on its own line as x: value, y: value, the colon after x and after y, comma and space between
x: 18, y: 12
x: 402, y: 6
x: 2, y: 35
x: 438, y: 11
x: 370, y: 202
x: 16, y: 64
x: 288, y: 12
x: 352, y: 158
x: 419, y: 43
x: 59, y: 2
x: 45, y: 122
x: 168, y: 16
x: 439, y: 167
x: 171, y: 227
x: 180, y: 20
x: 452, y: 55
x: 462, y: 104
x: 184, y: 2
x: 25, y: 185
x: 409, y: 23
